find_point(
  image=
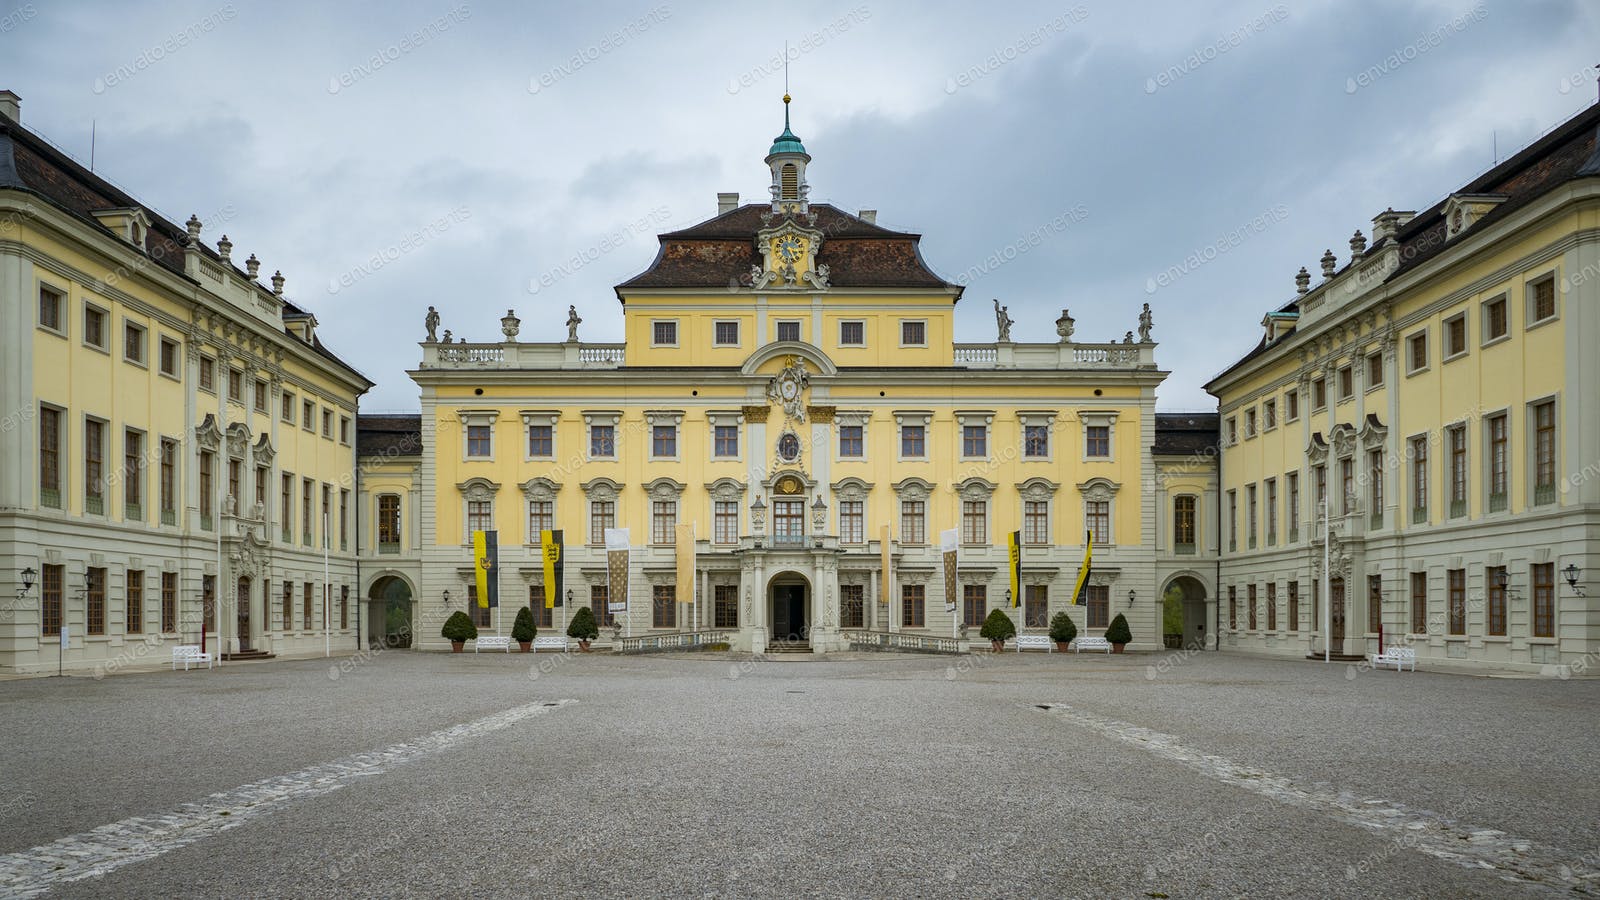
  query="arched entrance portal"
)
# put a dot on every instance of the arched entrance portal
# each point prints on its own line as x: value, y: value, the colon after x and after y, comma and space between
x: 1184, y: 613
x: 789, y: 597
x: 389, y: 604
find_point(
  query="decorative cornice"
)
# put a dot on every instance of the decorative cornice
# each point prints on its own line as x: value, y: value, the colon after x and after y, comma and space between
x: 756, y: 414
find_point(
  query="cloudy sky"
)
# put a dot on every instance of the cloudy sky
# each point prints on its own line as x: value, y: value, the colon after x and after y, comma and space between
x: 481, y: 156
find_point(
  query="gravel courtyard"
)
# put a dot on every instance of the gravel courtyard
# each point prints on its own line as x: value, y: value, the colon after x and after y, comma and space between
x: 404, y: 773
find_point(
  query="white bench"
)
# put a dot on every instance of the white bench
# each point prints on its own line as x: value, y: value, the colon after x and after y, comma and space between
x: 550, y: 642
x: 1091, y: 643
x: 189, y: 654
x: 493, y: 642
x: 1399, y: 656
x: 1035, y: 642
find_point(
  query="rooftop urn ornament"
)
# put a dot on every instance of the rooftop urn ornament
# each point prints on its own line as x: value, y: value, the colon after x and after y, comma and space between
x: 1127, y: 338
x: 573, y: 321
x: 1302, y: 281
x: 1003, y: 322
x: 1146, y: 322
x: 447, y: 336
x: 252, y: 266
x: 1329, y: 263
x: 225, y: 249
x: 277, y: 283
x: 194, y: 229
x: 1358, y: 244
x: 1064, y: 326
x: 510, y: 326
x: 431, y: 322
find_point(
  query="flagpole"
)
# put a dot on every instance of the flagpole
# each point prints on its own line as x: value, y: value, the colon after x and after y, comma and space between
x: 327, y: 626
x: 1327, y: 584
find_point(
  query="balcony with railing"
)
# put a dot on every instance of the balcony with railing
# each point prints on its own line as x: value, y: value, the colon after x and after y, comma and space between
x: 1419, y: 515
x: 388, y: 548
x: 1544, y: 494
x: 169, y: 516
x: 133, y: 511
x: 1062, y: 355
x: 1183, y: 549
x: 50, y: 497
x: 1497, y: 502
x: 1375, y: 520
x: 1458, y: 508
x: 512, y: 355
x: 94, y: 504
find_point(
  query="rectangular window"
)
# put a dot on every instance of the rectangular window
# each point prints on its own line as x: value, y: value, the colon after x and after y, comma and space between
x: 664, y: 522
x: 263, y: 482
x: 94, y: 327
x: 664, y: 441
x: 788, y: 331
x: 1036, y: 522
x: 327, y: 423
x: 235, y: 385
x: 974, y: 522
x: 851, y: 445
x: 912, y: 602
x: 344, y: 607
x: 288, y: 606
x: 788, y: 521
x: 663, y: 606
x: 1250, y: 604
x: 602, y: 441
x: 725, y: 604
x: 1250, y: 423
x: 1319, y: 393
x: 1455, y: 336
x: 133, y: 475
x: 1457, y: 579
x: 1374, y: 604
x: 725, y: 441
x: 1458, y: 470
x: 1499, y: 464
x: 49, y: 457
x: 1097, y: 515
x: 1098, y: 438
x: 1272, y: 512
x: 285, y: 503
x: 1272, y: 606
x: 169, y: 602
x: 1419, y: 602
x: 327, y: 497
x: 344, y: 429
x: 602, y: 515
x: 852, y: 522
x: 541, y: 441
x: 306, y: 522
x: 94, y: 466
x: 1294, y: 605
x: 543, y: 617
x: 1543, y: 576
x: 1417, y: 352
x: 133, y: 602
x: 725, y: 333
x: 1231, y: 428
x: 1098, y: 611
x: 974, y: 441
x: 1269, y: 415
x: 305, y: 605
x: 1347, y: 382
x: 1233, y: 608
x: 913, y: 443
x: 1250, y: 515
x: 1292, y: 514
x: 664, y: 334
x: 169, y: 357
x: 1183, y: 522
x: 479, y: 441
x: 913, y: 334
x: 852, y: 606
x: 1233, y: 520
x: 208, y: 374
x: 1035, y: 606
x: 1374, y: 371
x: 261, y: 395
x: 286, y: 410
x: 1419, y: 479
x: 600, y: 604
x: 912, y: 520
x: 541, y: 517
x: 133, y: 343
x: 388, y: 523
x: 852, y: 334
x: 1036, y: 441
x: 1495, y: 323
x: 725, y: 521
x: 50, y: 308
x: 1494, y: 578
x: 975, y: 604
x: 1347, y: 486
x: 480, y: 515
x: 1544, y: 452
x: 1320, y: 475
x: 1291, y: 406
x: 1375, y: 487
x: 208, y: 603
x: 234, y: 492
x: 94, y: 583
x: 52, y: 585
x: 1542, y: 300
x: 308, y: 414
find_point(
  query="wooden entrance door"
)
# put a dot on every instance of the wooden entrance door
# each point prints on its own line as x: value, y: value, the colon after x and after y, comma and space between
x: 1336, y: 615
x: 242, y: 602
x: 789, y: 613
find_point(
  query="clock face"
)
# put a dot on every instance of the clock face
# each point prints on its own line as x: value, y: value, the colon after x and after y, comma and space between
x: 789, y: 248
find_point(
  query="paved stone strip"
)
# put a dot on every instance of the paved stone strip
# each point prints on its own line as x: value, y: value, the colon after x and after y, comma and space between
x: 1512, y: 858
x: 93, y: 853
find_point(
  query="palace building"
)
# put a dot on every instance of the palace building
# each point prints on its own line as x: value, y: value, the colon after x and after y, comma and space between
x: 790, y: 386
x: 1435, y: 394
x: 178, y: 444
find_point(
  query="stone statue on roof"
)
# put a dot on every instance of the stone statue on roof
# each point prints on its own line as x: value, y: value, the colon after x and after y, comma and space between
x: 1003, y: 321
x: 573, y: 321
x: 432, y: 324
x: 1146, y: 321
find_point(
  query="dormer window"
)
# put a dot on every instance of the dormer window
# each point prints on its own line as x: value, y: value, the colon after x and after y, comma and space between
x: 129, y: 223
x: 1461, y: 211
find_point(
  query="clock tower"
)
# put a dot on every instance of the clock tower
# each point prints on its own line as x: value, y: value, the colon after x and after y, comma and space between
x: 787, y: 159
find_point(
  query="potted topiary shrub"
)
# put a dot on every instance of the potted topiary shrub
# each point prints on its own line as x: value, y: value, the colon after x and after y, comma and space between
x: 459, y: 629
x: 998, y: 628
x: 523, y: 629
x: 583, y: 628
x: 1118, y: 634
x: 1062, y: 630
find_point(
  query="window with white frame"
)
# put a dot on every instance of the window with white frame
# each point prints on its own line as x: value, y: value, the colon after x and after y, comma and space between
x: 133, y: 343
x: 725, y: 333
x: 852, y: 443
x: 664, y: 441
x: 1417, y: 352
x: 852, y: 333
x: 852, y: 522
x: 913, y: 441
x: 1496, y: 319
x: 725, y: 521
x: 1541, y: 304
x: 51, y: 304
x: 1036, y: 522
x: 541, y: 517
x: 788, y: 330
x: 1099, y: 429
x: 1455, y: 336
x: 913, y: 333
x: 94, y: 327
x: 664, y: 333
x: 975, y: 522
x: 663, y: 522
x: 913, y: 522
x: 602, y: 515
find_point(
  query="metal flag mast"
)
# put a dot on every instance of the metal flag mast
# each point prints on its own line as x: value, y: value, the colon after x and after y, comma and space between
x: 327, y: 589
x: 1327, y: 584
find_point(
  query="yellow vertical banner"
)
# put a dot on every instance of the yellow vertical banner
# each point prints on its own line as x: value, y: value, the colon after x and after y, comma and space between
x: 685, y: 559
x: 1078, y: 598
x: 1014, y: 548
x: 888, y: 579
x: 485, y: 560
x: 551, y: 546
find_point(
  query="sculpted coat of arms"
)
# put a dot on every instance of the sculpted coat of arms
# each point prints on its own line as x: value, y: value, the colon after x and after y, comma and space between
x: 788, y: 388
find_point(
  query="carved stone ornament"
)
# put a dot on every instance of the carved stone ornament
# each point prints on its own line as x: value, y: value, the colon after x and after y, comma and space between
x: 1037, y: 490
x: 1099, y: 490
x: 478, y: 489
x: 788, y: 388
x: 788, y: 447
x: 1317, y: 450
x: 664, y: 489
x: 975, y: 489
x: 238, y: 439
x: 851, y: 489
x: 725, y: 489
x: 913, y: 489
x: 601, y: 489
x: 263, y: 452
x: 207, y: 434
x: 540, y: 489
x: 1344, y: 440
x: 756, y: 415
x: 1373, y: 433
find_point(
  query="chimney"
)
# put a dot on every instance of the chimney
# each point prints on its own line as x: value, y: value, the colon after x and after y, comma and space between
x: 727, y: 203
x: 869, y: 216
x: 11, y: 106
